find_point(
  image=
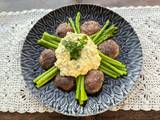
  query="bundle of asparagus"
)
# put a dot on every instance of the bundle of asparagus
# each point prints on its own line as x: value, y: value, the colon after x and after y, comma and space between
x: 109, y: 66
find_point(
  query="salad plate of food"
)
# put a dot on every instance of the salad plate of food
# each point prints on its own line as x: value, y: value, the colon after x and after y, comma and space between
x: 81, y: 59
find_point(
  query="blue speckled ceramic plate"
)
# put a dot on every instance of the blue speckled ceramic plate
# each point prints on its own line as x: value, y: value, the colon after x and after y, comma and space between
x: 114, y: 90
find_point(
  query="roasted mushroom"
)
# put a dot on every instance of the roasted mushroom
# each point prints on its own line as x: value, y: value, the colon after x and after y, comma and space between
x: 66, y: 83
x: 110, y: 48
x: 90, y: 27
x: 63, y: 28
x: 93, y: 81
x: 47, y: 58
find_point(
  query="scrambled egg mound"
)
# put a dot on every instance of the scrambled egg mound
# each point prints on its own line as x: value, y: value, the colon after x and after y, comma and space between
x: 89, y: 58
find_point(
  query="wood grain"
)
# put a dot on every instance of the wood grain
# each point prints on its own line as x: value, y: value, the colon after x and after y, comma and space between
x: 109, y: 115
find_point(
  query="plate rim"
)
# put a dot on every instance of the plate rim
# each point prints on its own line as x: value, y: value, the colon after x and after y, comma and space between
x: 104, y: 110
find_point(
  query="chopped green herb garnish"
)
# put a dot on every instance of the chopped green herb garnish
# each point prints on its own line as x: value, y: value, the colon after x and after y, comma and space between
x: 75, y: 47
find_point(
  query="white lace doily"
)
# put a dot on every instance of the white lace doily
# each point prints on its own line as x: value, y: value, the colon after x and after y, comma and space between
x: 14, y: 26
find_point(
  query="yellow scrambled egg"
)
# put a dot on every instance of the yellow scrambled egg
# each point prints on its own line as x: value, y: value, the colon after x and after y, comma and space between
x: 88, y: 60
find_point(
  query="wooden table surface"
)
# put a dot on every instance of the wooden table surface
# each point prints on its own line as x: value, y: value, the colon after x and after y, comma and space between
x: 118, y: 115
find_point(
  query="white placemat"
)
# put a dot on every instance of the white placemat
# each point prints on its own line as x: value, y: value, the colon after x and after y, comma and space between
x: 14, y: 26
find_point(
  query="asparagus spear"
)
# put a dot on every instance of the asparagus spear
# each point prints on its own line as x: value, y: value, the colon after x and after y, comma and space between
x: 92, y: 36
x: 42, y: 75
x: 111, y: 61
x: 72, y: 24
x: 81, y: 95
x: 45, y: 77
x: 107, y: 34
x: 47, y: 44
x: 101, y: 31
x: 78, y: 22
x: 108, y: 70
x: 77, y: 88
x: 84, y: 96
x: 107, y: 73
x: 113, y: 68
x: 47, y: 36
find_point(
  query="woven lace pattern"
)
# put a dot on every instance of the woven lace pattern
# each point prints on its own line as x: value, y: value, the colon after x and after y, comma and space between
x: 14, y: 26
